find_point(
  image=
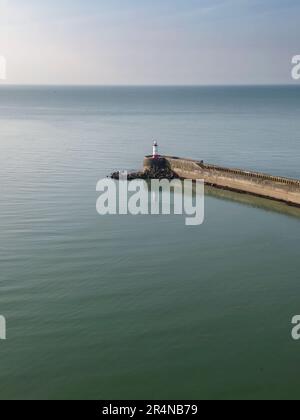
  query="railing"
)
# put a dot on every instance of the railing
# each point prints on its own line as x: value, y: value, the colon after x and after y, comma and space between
x: 249, y: 174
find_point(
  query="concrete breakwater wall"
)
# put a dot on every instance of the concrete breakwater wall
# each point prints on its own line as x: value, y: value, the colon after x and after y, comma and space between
x: 263, y: 185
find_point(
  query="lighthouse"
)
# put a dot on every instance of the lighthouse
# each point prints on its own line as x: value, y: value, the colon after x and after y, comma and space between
x: 155, y: 150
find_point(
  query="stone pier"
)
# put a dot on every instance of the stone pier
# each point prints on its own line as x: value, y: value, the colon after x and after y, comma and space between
x: 273, y: 187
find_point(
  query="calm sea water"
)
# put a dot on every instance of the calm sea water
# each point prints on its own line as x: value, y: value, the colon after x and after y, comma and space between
x: 144, y: 307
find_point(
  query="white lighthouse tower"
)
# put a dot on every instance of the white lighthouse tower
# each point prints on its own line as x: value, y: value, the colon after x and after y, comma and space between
x: 155, y: 150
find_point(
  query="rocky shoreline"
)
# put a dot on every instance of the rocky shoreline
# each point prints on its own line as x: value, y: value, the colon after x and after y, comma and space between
x: 148, y: 174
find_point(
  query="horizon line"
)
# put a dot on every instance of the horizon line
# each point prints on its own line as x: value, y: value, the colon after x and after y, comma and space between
x: 294, y: 84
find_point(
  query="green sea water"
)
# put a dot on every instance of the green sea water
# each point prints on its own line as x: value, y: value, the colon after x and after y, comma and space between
x: 123, y: 307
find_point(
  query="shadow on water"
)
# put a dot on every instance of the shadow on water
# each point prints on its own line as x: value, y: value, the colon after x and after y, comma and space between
x: 253, y: 201
x: 241, y: 198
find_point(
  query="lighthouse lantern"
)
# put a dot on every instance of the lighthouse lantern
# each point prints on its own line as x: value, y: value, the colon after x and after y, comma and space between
x: 155, y: 150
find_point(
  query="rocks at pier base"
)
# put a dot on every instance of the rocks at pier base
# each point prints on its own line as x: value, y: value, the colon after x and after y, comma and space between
x: 148, y: 174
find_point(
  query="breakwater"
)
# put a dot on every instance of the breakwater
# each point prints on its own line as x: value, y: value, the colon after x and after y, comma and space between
x: 263, y: 185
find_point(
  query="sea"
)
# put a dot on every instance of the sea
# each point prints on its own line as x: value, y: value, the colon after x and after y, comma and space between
x: 145, y: 307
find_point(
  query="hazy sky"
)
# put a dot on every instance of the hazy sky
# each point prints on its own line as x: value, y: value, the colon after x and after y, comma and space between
x: 149, y: 41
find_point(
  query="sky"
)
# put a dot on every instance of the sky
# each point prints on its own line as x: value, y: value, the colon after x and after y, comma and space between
x: 149, y: 42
